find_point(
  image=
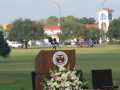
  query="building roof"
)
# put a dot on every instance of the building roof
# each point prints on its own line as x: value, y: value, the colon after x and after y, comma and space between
x: 52, y: 27
x: 107, y: 9
x: 91, y: 26
x: 52, y: 30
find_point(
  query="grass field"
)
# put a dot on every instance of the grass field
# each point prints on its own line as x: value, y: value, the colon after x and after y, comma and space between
x: 15, y: 71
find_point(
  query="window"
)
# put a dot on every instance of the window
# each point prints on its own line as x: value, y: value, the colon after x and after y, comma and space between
x: 110, y: 16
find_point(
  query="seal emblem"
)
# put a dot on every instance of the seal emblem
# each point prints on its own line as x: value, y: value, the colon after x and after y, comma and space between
x: 60, y: 59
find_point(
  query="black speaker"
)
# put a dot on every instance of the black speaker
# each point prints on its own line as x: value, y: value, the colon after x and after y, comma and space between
x: 33, y: 80
x: 102, y: 78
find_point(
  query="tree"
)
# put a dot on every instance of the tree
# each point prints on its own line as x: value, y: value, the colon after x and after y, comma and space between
x: 37, y: 31
x: 52, y: 20
x: 25, y: 30
x: 94, y: 34
x: 85, y: 20
x: 74, y: 27
x: 70, y: 26
x: 4, y: 48
x: 114, y: 29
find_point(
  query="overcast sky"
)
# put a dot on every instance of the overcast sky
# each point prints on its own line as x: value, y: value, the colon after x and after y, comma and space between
x: 41, y: 9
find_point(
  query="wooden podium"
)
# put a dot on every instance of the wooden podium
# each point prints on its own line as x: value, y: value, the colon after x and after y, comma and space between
x: 44, y: 62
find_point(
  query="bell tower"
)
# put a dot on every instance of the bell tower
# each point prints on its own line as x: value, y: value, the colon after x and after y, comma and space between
x: 104, y: 20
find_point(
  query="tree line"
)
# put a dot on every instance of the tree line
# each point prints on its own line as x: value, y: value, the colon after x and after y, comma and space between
x: 72, y: 27
x: 24, y: 30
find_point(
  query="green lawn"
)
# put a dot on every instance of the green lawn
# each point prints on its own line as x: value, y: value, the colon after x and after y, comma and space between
x: 15, y: 71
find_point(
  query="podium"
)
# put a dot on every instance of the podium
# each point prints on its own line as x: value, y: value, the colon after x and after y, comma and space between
x: 46, y: 60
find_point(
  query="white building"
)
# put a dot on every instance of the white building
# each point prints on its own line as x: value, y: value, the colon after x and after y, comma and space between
x: 53, y: 31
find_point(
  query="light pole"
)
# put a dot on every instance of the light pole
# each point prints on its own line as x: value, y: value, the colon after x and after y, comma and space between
x: 59, y: 12
x: 57, y: 4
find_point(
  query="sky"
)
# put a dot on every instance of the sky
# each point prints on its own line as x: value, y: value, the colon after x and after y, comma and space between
x: 11, y: 10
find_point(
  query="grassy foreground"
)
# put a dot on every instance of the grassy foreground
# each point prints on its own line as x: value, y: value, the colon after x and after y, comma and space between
x: 15, y: 71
